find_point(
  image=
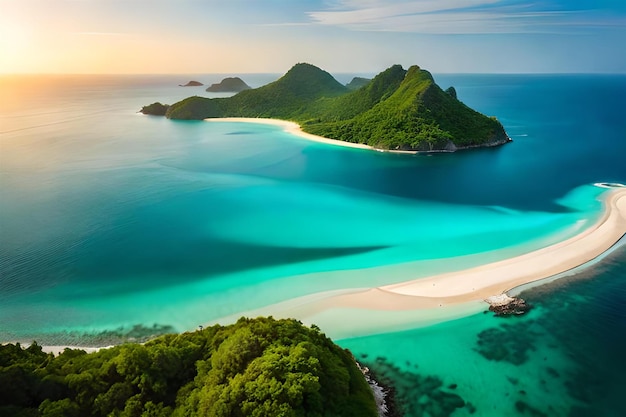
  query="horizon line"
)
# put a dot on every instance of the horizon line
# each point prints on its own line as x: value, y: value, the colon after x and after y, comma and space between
x: 9, y: 74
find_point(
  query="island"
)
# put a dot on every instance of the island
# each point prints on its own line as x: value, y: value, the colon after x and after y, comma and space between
x: 399, y: 110
x: 229, y: 85
x: 192, y: 84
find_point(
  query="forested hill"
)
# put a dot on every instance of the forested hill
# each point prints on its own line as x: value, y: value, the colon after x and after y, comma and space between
x: 256, y: 367
x: 398, y: 109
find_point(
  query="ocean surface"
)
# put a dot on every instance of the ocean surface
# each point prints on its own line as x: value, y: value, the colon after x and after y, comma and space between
x: 116, y: 225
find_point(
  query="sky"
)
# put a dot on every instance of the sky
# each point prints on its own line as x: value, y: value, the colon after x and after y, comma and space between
x: 269, y: 36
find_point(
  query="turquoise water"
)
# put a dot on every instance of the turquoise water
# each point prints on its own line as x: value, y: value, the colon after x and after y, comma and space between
x: 110, y: 219
x: 564, y: 358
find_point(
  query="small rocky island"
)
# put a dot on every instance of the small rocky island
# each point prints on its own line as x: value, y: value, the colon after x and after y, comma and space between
x: 192, y: 84
x: 229, y: 85
x: 503, y: 305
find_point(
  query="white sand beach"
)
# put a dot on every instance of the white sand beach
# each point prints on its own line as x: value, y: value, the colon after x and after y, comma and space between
x: 295, y: 129
x: 495, y: 278
x: 58, y: 349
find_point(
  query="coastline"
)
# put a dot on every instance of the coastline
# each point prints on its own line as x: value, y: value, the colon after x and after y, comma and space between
x: 296, y: 130
x: 448, y: 296
x: 499, y: 277
x: 442, y: 297
x: 56, y: 350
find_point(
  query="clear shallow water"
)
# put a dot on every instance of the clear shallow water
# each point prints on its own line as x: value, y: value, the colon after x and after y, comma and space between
x: 564, y: 358
x: 110, y: 219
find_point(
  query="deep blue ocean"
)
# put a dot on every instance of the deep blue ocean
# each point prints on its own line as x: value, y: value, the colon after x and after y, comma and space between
x: 116, y: 223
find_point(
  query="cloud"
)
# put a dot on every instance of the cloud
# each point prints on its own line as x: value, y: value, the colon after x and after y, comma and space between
x: 101, y: 33
x: 459, y: 17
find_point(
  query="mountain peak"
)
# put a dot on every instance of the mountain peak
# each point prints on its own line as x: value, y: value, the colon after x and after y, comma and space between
x: 306, y: 80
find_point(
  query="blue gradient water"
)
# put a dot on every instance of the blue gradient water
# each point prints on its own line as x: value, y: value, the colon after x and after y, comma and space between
x: 110, y: 219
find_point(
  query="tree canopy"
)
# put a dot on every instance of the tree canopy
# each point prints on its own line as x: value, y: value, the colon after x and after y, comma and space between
x: 256, y: 367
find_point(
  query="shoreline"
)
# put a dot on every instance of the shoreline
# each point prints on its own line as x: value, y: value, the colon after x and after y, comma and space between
x: 56, y: 350
x: 502, y: 276
x: 442, y: 297
x: 448, y: 296
x: 296, y: 130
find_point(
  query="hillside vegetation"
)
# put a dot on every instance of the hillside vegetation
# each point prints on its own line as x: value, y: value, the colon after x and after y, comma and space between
x: 398, y: 109
x: 229, y: 85
x: 256, y: 367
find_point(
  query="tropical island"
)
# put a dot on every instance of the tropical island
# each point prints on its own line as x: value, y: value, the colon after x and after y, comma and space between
x: 402, y: 110
x: 229, y: 85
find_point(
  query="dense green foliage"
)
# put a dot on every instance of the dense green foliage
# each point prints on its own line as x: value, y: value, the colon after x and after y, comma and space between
x: 451, y: 91
x: 357, y: 82
x: 256, y: 367
x: 398, y: 109
x: 228, y: 85
x: 289, y: 98
x: 155, y: 109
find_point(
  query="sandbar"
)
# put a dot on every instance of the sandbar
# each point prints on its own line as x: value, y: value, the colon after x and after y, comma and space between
x: 498, y: 277
x: 56, y: 350
x: 461, y: 287
x: 428, y: 300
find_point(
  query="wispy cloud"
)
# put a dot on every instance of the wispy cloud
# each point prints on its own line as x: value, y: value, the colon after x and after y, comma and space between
x: 101, y: 33
x: 459, y: 17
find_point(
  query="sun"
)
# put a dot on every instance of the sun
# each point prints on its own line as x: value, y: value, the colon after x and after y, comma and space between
x: 15, y: 46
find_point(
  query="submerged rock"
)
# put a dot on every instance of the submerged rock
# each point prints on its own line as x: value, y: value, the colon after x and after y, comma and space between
x: 508, y: 343
x: 407, y: 393
x: 380, y: 392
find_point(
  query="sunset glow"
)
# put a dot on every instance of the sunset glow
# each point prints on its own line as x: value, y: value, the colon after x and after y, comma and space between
x: 167, y: 36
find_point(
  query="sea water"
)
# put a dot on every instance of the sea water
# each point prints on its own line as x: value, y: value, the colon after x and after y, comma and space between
x: 111, y: 220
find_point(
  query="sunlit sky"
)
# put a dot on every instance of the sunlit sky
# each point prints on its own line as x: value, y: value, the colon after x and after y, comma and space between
x: 222, y: 36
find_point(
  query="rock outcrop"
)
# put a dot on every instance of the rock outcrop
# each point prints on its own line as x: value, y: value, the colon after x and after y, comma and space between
x: 503, y: 305
x: 155, y: 109
x: 192, y: 84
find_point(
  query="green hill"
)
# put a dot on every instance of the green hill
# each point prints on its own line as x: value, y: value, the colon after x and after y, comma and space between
x: 410, y: 114
x: 229, y: 85
x: 398, y: 109
x: 357, y: 82
x: 256, y: 367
